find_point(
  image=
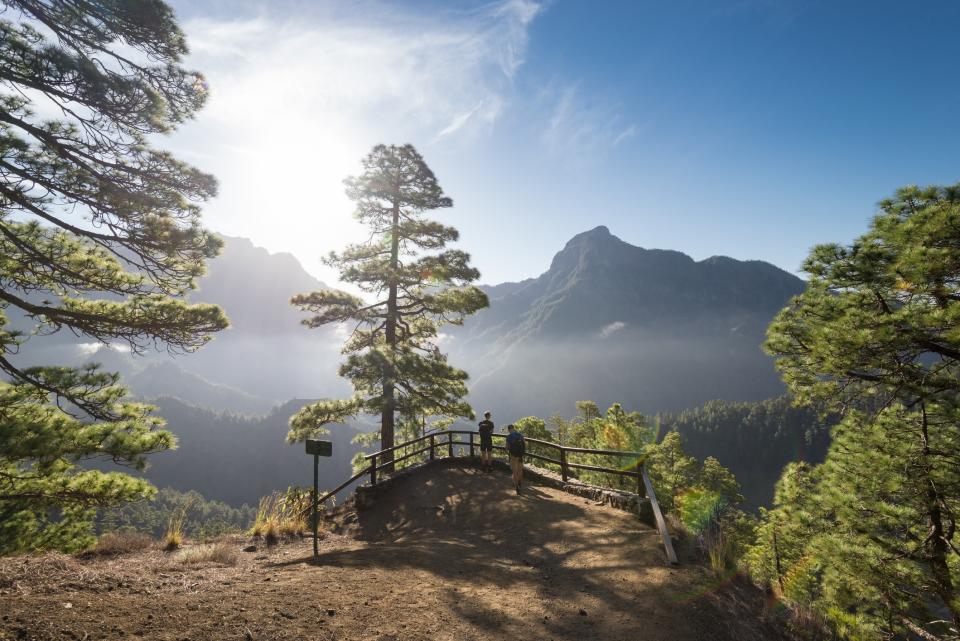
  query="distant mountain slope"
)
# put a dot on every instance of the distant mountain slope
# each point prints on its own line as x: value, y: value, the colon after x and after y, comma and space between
x: 652, y: 329
x: 266, y: 355
x: 238, y: 459
x: 254, y: 287
x: 266, y: 352
x: 169, y: 379
x: 609, y: 321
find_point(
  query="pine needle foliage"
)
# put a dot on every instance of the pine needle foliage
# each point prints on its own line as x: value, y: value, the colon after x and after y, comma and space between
x: 871, y: 543
x: 393, y: 359
x: 99, y: 235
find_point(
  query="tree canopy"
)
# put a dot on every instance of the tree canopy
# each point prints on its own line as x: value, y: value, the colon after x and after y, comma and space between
x: 876, y: 337
x: 99, y: 235
x: 393, y: 359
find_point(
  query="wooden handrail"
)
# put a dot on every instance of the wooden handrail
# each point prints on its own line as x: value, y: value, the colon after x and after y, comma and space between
x: 326, y: 497
x: 658, y: 516
x: 605, y: 470
x: 564, y: 464
x: 587, y: 450
x: 399, y: 445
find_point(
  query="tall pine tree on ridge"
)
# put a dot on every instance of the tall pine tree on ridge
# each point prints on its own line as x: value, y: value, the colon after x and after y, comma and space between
x: 394, y: 362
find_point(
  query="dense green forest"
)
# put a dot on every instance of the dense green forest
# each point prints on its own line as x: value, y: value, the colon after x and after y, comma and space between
x: 201, y: 518
x: 754, y: 440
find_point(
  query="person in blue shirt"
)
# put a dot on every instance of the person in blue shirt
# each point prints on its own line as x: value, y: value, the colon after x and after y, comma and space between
x: 516, y: 448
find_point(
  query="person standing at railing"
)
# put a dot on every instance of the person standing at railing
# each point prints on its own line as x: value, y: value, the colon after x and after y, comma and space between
x: 517, y: 447
x: 486, y: 442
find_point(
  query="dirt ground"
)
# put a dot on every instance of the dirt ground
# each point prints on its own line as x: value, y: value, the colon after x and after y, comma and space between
x: 449, y: 554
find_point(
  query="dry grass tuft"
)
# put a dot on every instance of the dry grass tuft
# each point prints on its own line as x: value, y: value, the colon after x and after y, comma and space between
x: 173, y: 538
x: 282, y: 514
x: 222, y: 553
x: 113, y: 543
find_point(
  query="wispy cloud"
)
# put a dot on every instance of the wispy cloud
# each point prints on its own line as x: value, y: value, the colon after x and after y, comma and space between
x: 89, y: 349
x: 423, y: 71
x: 626, y: 134
x: 458, y: 122
x: 297, y: 102
x: 584, y: 127
x: 612, y: 328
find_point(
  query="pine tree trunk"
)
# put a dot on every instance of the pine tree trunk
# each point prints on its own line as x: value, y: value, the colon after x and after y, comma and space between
x: 389, y: 401
x: 776, y: 557
x: 939, y: 551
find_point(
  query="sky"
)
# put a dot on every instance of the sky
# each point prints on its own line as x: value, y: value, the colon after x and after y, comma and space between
x: 747, y: 128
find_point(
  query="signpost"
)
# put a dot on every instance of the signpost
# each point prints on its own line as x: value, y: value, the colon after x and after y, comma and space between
x: 318, y: 449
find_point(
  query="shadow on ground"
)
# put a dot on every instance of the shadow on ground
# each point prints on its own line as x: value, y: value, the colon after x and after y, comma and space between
x: 544, y: 564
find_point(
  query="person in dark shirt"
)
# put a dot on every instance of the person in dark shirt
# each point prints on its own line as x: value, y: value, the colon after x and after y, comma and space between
x: 516, y: 447
x: 486, y: 442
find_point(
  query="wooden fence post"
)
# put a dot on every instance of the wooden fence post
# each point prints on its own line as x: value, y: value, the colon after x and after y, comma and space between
x: 450, y: 444
x: 563, y: 464
x: 373, y: 471
x: 471, y: 444
x: 433, y: 447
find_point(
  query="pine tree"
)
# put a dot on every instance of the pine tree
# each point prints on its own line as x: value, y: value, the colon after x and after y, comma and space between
x: 877, y: 336
x: 393, y: 360
x: 534, y: 427
x: 99, y: 233
x: 884, y: 476
x: 671, y: 469
x: 785, y: 531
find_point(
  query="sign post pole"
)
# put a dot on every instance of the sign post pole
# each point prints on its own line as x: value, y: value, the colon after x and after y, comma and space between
x: 317, y: 449
x: 316, y: 495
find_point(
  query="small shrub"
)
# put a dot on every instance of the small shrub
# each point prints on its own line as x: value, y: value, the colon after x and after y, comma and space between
x: 222, y: 553
x: 113, y: 543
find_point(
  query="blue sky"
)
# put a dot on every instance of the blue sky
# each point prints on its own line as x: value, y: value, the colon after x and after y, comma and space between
x: 753, y: 129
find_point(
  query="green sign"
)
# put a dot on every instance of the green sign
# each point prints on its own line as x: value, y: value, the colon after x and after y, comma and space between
x: 319, y: 448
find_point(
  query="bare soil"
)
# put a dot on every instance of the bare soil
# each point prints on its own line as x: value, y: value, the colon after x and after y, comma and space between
x: 449, y: 554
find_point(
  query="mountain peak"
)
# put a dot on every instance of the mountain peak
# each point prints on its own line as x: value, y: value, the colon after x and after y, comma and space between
x: 601, y: 231
x: 597, y: 233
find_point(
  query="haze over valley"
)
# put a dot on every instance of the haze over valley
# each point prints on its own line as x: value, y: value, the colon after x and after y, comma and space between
x: 607, y: 321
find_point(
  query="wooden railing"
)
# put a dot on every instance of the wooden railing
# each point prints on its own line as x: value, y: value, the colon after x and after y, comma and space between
x: 446, y: 440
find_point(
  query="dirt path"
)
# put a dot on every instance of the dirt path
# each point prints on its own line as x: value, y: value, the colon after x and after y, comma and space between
x: 460, y: 557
